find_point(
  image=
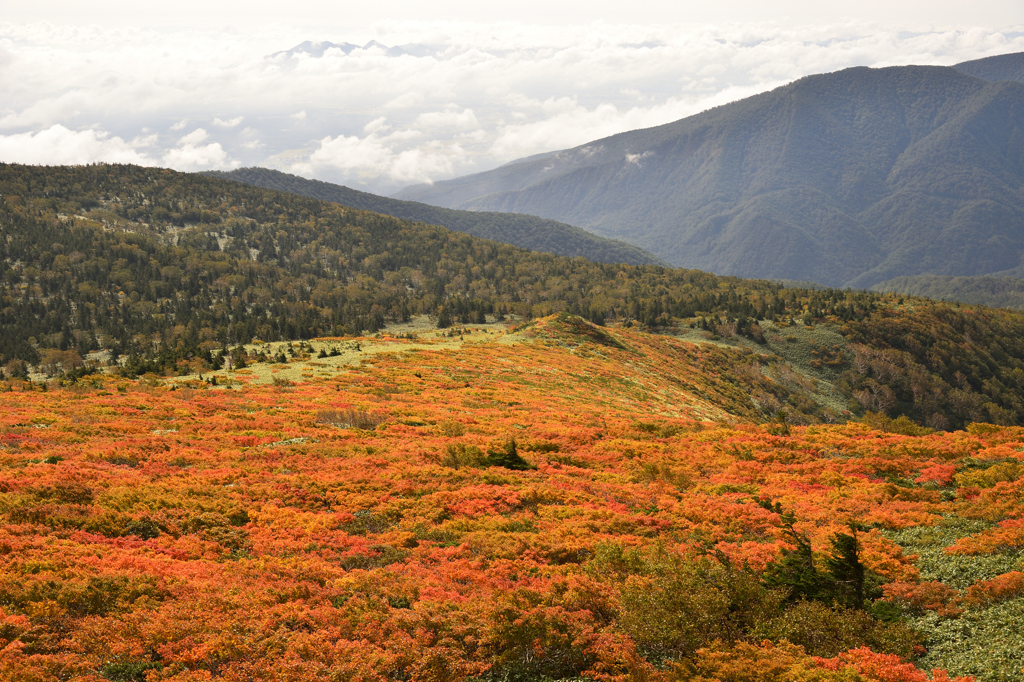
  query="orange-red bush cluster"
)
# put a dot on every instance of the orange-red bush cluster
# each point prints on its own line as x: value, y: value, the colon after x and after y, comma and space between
x: 247, y: 533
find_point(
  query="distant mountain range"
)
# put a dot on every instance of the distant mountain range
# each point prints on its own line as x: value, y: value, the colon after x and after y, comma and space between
x: 849, y: 178
x: 526, y: 231
x: 1004, y: 67
x: 317, y: 49
x: 997, y: 292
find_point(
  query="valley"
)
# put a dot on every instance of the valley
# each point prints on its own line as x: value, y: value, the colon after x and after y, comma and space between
x: 524, y: 231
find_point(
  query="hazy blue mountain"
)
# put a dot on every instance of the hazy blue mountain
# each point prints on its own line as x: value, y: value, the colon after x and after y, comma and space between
x: 848, y: 178
x: 1004, y: 67
x: 996, y: 292
x: 317, y: 49
x: 526, y: 231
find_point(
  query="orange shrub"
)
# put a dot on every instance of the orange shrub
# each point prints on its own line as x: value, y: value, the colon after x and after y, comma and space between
x: 1000, y: 588
x: 884, y: 668
x: 1008, y: 534
x: 240, y: 534
x: 931, y: 596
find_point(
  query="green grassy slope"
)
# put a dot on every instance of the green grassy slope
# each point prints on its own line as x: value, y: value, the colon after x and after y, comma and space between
x: 848, y: 178
x: 525, y: 231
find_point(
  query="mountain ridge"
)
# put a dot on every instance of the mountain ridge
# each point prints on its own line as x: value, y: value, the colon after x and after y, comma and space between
x: 1003, y: 67
x: 525, y: 231
x: 161, y: 269
x: 848, y: 178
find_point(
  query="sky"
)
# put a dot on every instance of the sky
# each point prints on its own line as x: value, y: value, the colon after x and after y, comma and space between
x: 319, y: 89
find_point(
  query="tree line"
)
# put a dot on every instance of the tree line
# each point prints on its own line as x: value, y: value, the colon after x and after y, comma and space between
x: 165, y: 267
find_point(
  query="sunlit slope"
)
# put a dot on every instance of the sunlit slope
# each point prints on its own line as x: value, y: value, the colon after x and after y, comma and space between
x: 165, y: 273
x: 544, y: 504
x: 848, y: 178
x: 686, y: 377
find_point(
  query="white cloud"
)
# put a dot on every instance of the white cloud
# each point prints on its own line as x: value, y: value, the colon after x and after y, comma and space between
x: 376, y: 156
x: 406, y: 100
x: 58, y: 145
x: 483, y: 94
x: 250, y: 139
x: 360, y: 154
x: 559, y: 123
x: 635, y: 159
x: 377, y: 125
x: 260, y: 13
x: 191, y: 157
x: 145, y: 140
x: 451, y: 118
x: 195, y: 137
x: 425, y: 163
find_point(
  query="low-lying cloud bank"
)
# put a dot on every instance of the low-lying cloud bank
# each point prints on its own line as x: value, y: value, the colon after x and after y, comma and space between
x: 419, y: 103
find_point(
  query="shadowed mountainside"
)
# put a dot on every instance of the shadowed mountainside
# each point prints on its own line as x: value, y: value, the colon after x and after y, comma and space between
x: 848, y: 178
x: 998, y: 292
x: 1004, y: 67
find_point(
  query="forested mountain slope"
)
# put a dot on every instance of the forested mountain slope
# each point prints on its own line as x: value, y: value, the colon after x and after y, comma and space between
x: 526, y: 231
x: 848, y: 178
x: 997, y: 292
x: 1004, y: 67
x: 164, y: 267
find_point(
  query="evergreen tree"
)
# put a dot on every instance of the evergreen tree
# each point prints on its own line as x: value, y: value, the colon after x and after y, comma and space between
x: 846, y: 570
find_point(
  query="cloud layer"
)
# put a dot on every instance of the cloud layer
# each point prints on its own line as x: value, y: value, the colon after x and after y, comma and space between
x: 455, y: 99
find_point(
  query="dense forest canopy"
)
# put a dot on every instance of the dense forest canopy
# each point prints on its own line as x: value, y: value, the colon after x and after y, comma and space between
x: 526, y: 231
x: 996, y: 292
x: 163, y: 267
x: 1002, y: 67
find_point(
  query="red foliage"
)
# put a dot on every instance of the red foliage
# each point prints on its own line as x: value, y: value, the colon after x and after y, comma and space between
x: 884, y: 668
x: 1002, y: 587
x: 940, y: 474
x: 1009, y: 534
x: 931, y: 596
x: 237, y: 534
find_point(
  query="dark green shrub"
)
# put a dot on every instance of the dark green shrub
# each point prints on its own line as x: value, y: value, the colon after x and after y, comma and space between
x: 129, y: 671
x: 828, y: 631
x: 507, y: 457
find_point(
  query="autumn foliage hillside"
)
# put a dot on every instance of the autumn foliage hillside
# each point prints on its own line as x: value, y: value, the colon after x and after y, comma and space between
x: 543, y: 505
x: 163, y: 272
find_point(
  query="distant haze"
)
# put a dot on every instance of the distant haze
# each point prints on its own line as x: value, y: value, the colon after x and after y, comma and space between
x: 342, y: 104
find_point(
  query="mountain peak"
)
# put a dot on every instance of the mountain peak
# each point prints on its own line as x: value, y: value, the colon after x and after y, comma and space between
x: 318, y: 49
x: 847, y: 178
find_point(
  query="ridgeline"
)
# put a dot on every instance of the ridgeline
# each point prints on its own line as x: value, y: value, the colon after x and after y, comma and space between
x: 525, y: 231
x: 849, y: 179
x: 166, y: 268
